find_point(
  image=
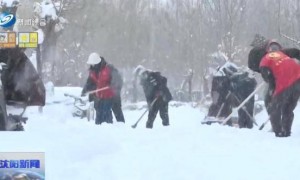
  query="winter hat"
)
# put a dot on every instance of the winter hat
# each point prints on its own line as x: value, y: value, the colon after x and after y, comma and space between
x: 228, y: 69
x: 94, y: 59
x: 139, y: 70
x: 259, y: 41
x: 273, y: 45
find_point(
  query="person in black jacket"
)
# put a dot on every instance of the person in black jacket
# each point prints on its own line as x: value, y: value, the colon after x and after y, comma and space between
x: 117, y: 84
x: 157, y: 94
x: 230, y: 87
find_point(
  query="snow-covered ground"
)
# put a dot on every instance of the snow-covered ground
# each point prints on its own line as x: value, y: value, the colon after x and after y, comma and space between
x: 78, y: 149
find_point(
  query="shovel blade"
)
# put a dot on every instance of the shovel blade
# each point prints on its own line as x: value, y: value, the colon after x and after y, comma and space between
x: 134, y: 126
x: 210, y: 119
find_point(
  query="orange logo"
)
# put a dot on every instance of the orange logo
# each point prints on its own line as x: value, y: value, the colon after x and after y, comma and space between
x: 274, y: 55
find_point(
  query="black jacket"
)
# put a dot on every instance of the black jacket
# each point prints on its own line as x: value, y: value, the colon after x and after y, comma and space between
x: 20, y: 80
x: 155, y: 85
x: 116, y: 80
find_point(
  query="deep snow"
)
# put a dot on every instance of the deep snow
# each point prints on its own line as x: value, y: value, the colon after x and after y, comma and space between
x: 78, y: 149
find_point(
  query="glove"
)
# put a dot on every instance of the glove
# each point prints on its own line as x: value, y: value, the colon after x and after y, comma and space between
x: 158, y: 94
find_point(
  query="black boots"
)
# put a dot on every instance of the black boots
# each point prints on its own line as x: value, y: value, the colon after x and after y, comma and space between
x: 283, y: 134
x: 150, y: 125
x: 165, y: 123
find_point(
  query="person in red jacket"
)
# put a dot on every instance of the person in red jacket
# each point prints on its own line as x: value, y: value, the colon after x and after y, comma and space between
x: 282, y: 73
x: 100, y: 79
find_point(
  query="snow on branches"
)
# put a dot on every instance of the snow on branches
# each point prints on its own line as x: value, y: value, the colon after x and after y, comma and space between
x: 50, y: 11
x: 45, y: 9
x: 9, y: 3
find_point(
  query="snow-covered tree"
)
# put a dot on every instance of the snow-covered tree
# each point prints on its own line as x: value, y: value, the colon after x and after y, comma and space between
x: 51, y: 24
x: 9, y: 7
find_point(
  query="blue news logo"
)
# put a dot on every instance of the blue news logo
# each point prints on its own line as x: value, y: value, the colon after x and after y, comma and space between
x: 23, y: 164
x: 7, y: 20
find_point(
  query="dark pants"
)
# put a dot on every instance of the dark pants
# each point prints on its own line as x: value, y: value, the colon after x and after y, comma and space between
x: 246, y: 114
x: 268, y: 98
x: 3, y: 112
x: 160, y: 106
x: 281, y: 109
x: 103, y: 111
x: 117, y: 109
x: 221, y: 106
x: 231, y: 92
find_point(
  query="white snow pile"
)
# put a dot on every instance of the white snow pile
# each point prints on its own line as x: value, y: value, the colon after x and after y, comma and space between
x: 78, y: 149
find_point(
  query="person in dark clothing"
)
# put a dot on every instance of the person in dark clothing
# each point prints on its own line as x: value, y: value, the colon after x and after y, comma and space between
x: 229, y: 89
x: 20, y: 79
x: 241, y: 86
x: 117, y: 83
x: 280, y: 69
x: 100, y: 79
x: 157, y: 94
x: 20, y: 83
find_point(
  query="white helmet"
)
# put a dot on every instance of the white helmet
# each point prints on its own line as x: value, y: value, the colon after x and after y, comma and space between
x: 94, y: 58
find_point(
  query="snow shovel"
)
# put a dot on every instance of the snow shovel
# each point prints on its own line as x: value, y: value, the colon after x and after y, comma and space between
x: 75, y: 98
x: 263, y: 125
x: 244, y: 102
x: 135, y: 125
x: 97, y: 90
x: 245, y: 110
x: 210, y: 119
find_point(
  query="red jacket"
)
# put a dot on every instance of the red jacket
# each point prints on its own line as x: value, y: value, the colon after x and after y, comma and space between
x: 102, y: 80
x: 286, y: 71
